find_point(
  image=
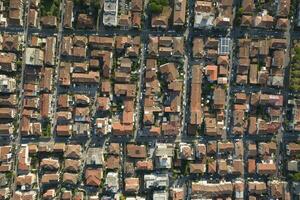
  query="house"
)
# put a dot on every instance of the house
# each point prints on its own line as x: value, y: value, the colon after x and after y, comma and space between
x: 195, y: 105
x: 178, y: 46
x: 282, y: 24
x: 8, y: 100
x: 256, y: 187
x: 49, y: 21
x: 93, y: 177
x: 186, y: 152
x: 6, y: 129
x: 64, y: 130
x: 211, y: 190
x: 283, y: 8
x: 5, y: 154
x: 163, y: 195
x: 125, y: 21
x: 68, y: 16
x: 34, y: 57
x: 49, y: 58
x: 81, y: 114
x: 50, y: 179
x: 164, y: 153
x: 33, y: 18
x: 177, y: 193
x: 95, y: 156
x: 204, y: 15
x: 26, y: 180
x: 248, y: 6
x: 169, y: 71
x: 197, y: 168
x: 136, y: 19
x: 112, y: 182
x: 212, y: 72
x: 136, y: 151
x: 293, y: 149
x: 113, y: 162
x: 11, y: 43
x: 87, y: 78
x: 45, y: 105
x: 7, y: 113
x: 247, y: 20
x: 7, y: 62
x: 73, y: 151
x: 198, y: 48
x: 113, y: 148
x: 15, y: 14
x: 85, y: 21
x: 49, y: 194
x: 46, y: 79
x: 7, y: 84
x: 66, y: 195
x: 99, y: 42
x: 72, y: 166
x: 49, y: 164
x: 102, y: 126
x: 266, y: 168
x: 179, y: 12
x: 132, y: 185
x: 66, y: 47
x: 144, y: 165
x: 156, y: 181
x: 219, y: 98
x: 279, y: 189
x: 70, y: 179
x: 30, y: 195
x: 59, y: 147
x: 110, y: 15
x: 4, y: 193
x: 161, y: 20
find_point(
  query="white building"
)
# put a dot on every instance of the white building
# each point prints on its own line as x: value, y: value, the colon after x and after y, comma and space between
x: 110, y: 15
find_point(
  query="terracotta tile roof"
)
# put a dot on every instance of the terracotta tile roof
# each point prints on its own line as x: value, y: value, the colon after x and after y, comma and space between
x: 50, y: 164
x: 67, y: 23
x: 197, y: 168
x: 73, y: 151
x: 50, y: 178
x: 72, y: 165
x: 212, y: 72
x: 132, y: 184
x: 113, y: 162
x: 70, y: 178
x: 144, y: 165
x: 161, y: 20
x: 136, y: 151
x: 179, y: 12
x: 266, y: 168
x: 93, y: 177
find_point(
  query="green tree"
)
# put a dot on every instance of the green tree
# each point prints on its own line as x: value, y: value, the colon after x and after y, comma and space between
x: 155, y: 8
x: 296, y: 177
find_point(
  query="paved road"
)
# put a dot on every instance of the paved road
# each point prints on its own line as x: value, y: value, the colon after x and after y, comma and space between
x: 16, y: 142
x: 58, y: 61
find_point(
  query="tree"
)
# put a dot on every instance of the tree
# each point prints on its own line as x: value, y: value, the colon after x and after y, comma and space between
x: 95, y: 3
x: 155, y: 8
x: 296, y: 177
